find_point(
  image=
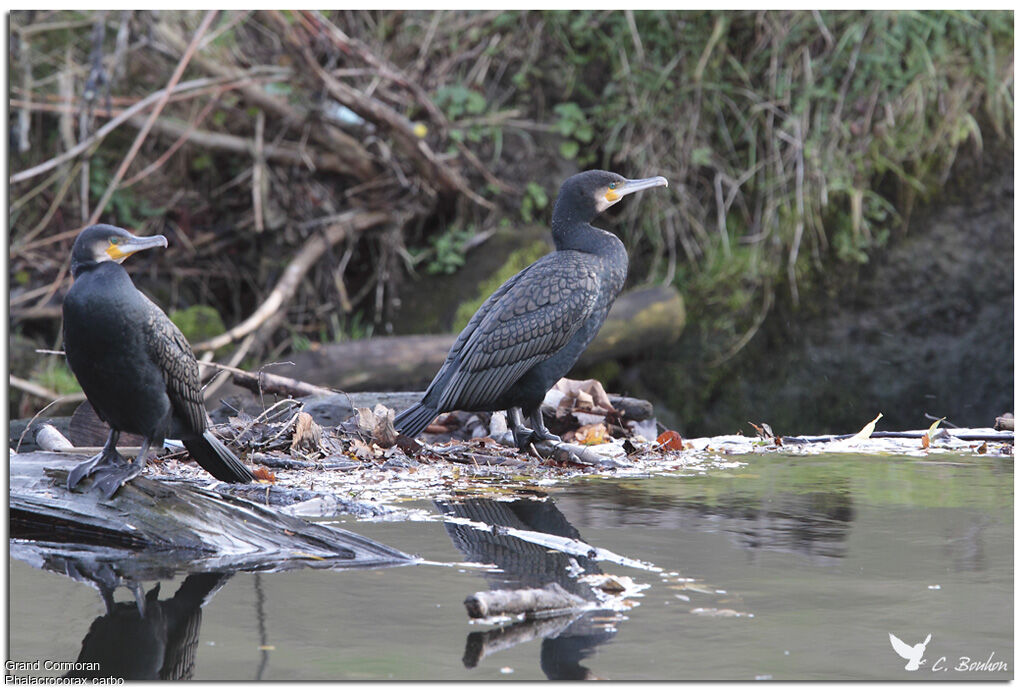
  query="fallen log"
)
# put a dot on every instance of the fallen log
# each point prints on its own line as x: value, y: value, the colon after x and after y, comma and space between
x: 639, y: 320
x: 534, y: 603
x: 969, y: 435
x: 175, y: 524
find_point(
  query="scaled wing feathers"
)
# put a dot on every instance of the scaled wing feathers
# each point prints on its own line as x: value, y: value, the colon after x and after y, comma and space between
x: 169, y: 349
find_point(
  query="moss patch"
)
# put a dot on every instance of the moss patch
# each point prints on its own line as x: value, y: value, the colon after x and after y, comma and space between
x: 199, y: 322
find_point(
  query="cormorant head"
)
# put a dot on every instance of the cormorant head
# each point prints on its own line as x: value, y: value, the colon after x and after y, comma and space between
x: 98, y: 243
x: 586, y: 194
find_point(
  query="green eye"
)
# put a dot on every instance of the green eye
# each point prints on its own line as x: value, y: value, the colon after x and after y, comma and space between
x: 612, y: 185
x: 115, y: 240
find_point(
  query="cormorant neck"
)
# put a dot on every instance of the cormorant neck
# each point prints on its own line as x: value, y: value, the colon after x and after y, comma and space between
x: 581, y: 236
x: 79, y: 267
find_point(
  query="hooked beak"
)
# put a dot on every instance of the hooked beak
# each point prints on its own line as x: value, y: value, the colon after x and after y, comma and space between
x: 631, y: 186
x: 127, y: 246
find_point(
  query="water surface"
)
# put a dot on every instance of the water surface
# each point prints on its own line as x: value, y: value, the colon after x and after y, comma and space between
x: 782, y: 568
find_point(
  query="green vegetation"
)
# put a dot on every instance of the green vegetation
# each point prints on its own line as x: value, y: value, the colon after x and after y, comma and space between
x: 55, y: 375
x: 796, y: 143
x: 535, y: 200
x: 793, y: 139
x: 198, y: 322
x: 449, y: 253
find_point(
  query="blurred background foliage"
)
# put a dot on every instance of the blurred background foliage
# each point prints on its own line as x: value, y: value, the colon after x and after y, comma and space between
x: 795, y: 143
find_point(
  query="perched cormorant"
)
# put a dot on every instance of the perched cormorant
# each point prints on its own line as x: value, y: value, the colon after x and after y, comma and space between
x: 530, y: 332
x: 134, y: 365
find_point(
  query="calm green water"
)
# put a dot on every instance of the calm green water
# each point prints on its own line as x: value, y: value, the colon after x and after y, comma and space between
x: 821, y: 558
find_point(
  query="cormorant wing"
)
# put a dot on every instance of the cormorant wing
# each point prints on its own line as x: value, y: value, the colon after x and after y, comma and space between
x: 170, y: 351
x: 530, y: 318
x: 901, y: 647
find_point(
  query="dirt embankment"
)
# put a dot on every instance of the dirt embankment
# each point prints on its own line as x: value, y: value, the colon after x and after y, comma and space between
x: 925, y: 327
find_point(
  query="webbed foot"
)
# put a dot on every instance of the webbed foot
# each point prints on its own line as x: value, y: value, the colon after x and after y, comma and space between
x: 108, y: 457
x: 523, y: 435
x: 540, y: 432
x: 110, y: 479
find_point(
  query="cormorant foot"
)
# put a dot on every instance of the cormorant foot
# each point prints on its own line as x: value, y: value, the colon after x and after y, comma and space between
x: 108, y: 481
x: 524, y: 436
x: 540, y: 432
x: 545, y: 435
x: 108, y: 457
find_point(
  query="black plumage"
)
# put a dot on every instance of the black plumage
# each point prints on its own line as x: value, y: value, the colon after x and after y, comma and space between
x: 134, y: 365
x: 530, y: 332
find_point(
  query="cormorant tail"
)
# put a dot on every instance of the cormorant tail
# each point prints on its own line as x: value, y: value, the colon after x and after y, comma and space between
x: 217, y: 459
x: 414, y: 420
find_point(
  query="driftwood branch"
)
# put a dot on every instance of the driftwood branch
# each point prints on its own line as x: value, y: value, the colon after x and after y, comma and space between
x: 430, y: 166
x: 85, y: 144
x: 137, y: 144
x: 310, y: 252
x: 358, y: 160
x: 262, y: 382
x: 545, y: 602
x: 285, y: 152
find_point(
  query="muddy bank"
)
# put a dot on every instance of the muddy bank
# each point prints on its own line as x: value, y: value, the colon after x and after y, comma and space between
x: 925, y: 327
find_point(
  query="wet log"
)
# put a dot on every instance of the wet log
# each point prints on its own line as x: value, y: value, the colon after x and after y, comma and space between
x: 639, y: 320
x: 175, y: 524
x: 534, y: 603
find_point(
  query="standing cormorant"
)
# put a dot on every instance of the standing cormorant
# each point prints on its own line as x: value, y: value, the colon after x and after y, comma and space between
x: 530, y: 332
x: 135, y: 367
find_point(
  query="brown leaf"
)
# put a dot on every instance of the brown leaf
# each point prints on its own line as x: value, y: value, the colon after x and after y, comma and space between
x: 360, y: 449
x: 670, y: 440
x: 378, y: 424
x: 263, y: 474
x: 983, y: 448
x: 307, y: 433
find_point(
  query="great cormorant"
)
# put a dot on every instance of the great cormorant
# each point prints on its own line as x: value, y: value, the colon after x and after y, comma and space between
x: 134, y: 365
x: 530, y: 332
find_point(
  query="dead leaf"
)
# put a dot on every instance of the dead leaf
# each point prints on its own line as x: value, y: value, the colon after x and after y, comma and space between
x: 592, y: 434
x: 934, y: 431
x: 588, y: 395
x: 378, y: 424
x: 866, y: 432
x: 983, y: 448
x: 265, y: 475
x: 611, y: 585
x: 307, y: 433
x: 360, y: 449
x: 670, y: 440
x: 764, y: 432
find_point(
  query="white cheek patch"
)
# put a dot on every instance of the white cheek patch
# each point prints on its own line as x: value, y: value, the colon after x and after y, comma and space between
x: 603, y: 202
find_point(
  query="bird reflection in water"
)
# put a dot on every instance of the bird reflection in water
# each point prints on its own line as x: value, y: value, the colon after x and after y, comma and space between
x: 568, y: 639
x: 149, y: 638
